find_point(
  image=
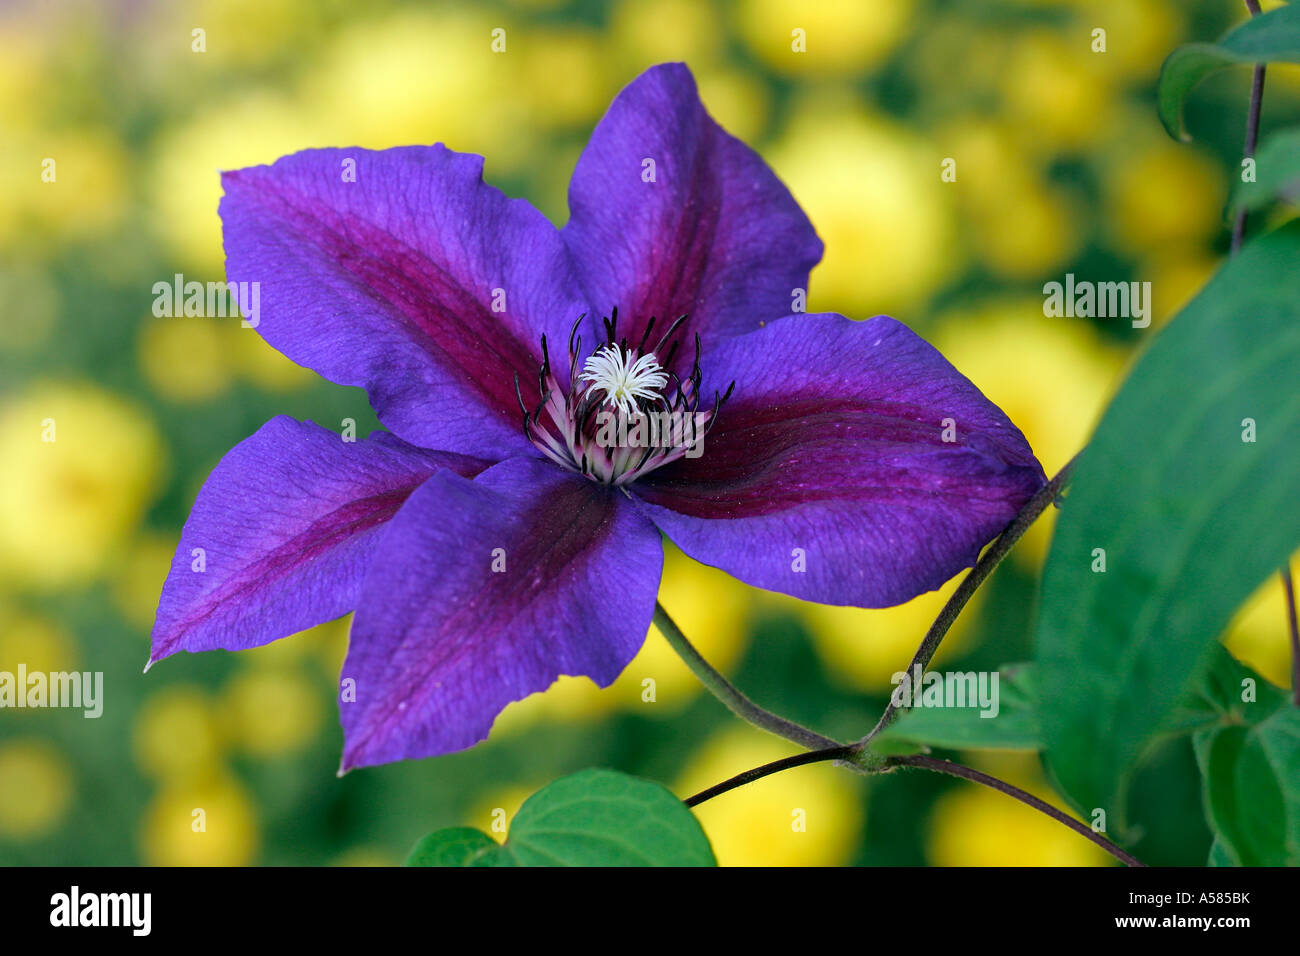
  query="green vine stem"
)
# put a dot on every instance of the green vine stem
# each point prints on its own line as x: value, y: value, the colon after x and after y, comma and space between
x: 1252, y: 134
x: 848, y: 752
x: 978, y: 776
x: 725, y: 691
x: 839, y: 752
x: 1238, y: 237
x: 983, y: 568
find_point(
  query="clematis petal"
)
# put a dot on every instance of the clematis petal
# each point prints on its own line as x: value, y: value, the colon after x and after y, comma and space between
x: 714, y: 234
x: 486, y: 592
x: 402, y: 272
x: 828, y: 475
x: 281, y: 533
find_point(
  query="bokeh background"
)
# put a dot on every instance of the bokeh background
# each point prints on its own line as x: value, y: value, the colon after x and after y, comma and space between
x: 1062, y: 167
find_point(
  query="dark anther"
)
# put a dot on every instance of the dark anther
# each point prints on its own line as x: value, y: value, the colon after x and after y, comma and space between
x: 668, y: 359
x: 646, y: 335
x: 611, y: 324
x: 574, y: 331
x: 537, y: 415
x: 667, y: 335
x: 717, y: 407
x: 520, y: 396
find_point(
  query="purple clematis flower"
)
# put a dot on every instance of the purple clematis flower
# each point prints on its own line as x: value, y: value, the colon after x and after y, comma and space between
x: 497, y: 537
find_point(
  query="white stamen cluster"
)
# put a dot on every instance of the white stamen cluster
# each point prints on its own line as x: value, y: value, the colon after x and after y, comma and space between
x: 656, y: 417
x: 622, y: 379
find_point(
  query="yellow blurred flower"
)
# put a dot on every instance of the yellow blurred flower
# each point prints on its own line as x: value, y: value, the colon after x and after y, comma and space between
x: 1058, y: 88
x: 737, y: 100
x: 712, y: 610
x: 176, y: 737
x: 264, y: 366
x: 247, y: 32
x: 424, y: 76
x: 323, y: 646
x: 972, y: 825
x: 1029, y: 228
x: 1176, y: 276
x: 569, y: 700
x: 985, y: 152
x: 1052, y: 377
x: 1035, y: 368
x: 329, y: 642
x: 1161, y: 194
x: 21, y: 67
x: 873, y: 192
x: 647, y: 32
x: 80, y: 465
x: 185, y: 358
x: 1138, y: 35
x: 837, y: 36
x: 138, y: 579
x: 208, y: 824
x: 1020, y: 224
x: 271, y: 712
x: 286, y: 651
x: 864, y: 647
x: 185, y: 176
x: 809, y: 816
x: 36, y: 642
x: 563, y: 75
x: 73, y: 183
x: 1259, y: 633
x: 36, y: 788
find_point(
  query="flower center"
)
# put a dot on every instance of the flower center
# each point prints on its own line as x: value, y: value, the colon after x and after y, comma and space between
x: 625, y: 414
x: 613, y: 370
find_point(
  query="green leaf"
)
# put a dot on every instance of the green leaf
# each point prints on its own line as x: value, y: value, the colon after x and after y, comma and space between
x: 455, y: 846
x: 1226, y: 692
x: 1214, y: 698
x: 592, y: 818
x: 1219, y: 855
x: 1252, y: 789
x: 1191, y: 519
x: 1015, y: 726
x: 1277, y: 174
x: 1272, y: 37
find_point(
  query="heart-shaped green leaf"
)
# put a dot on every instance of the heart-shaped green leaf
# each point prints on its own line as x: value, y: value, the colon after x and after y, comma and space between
x: 592, y: 818
x: 455, y: 846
